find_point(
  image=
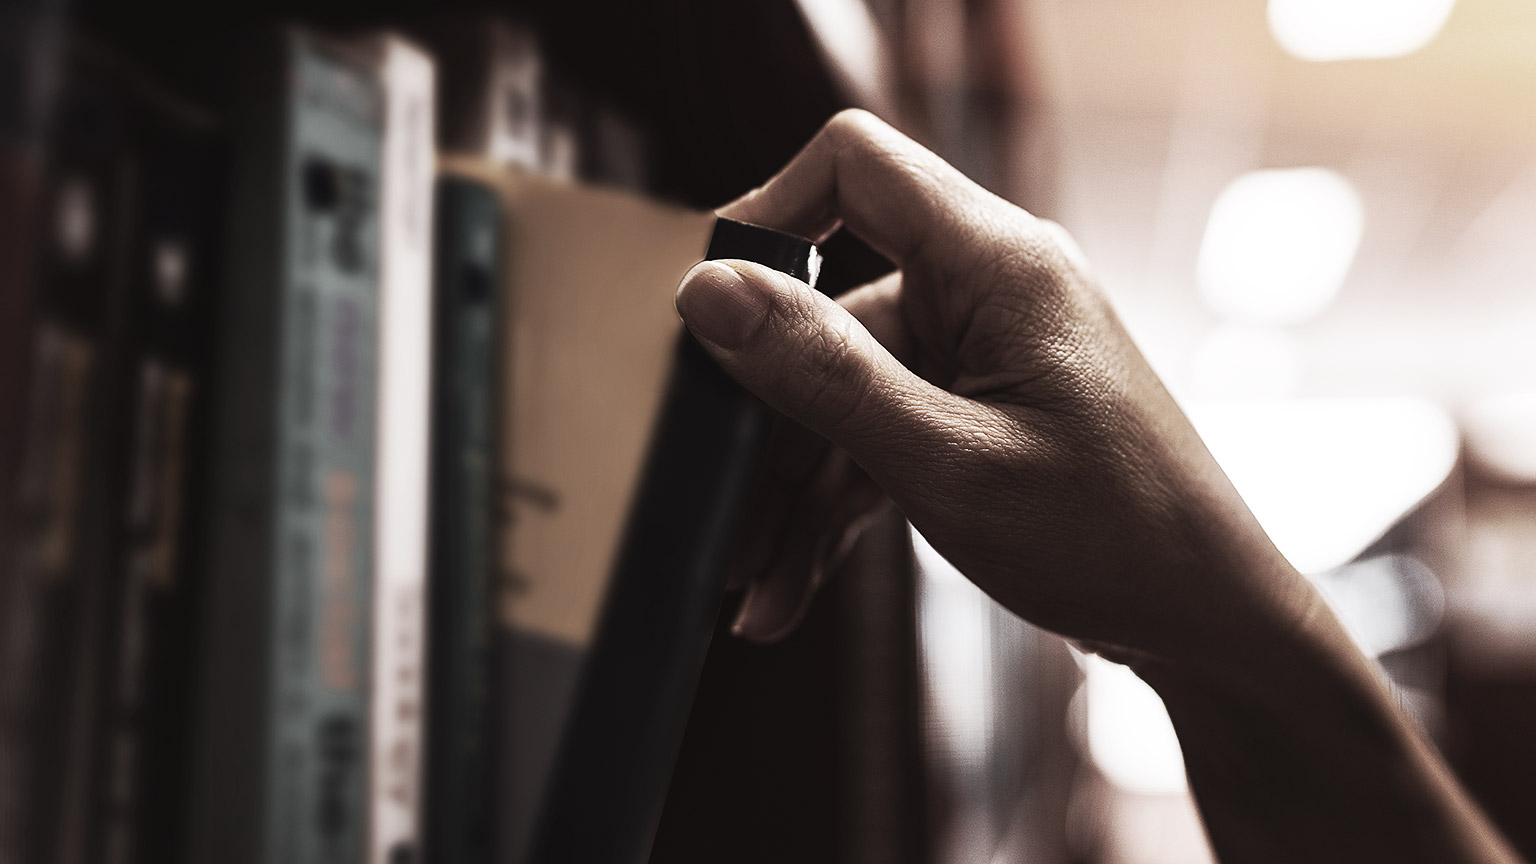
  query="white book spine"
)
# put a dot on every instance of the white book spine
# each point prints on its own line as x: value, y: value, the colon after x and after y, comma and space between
x: 405, y: 351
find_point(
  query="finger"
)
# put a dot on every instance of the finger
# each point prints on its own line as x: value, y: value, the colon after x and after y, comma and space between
x: 785, y: 478
x: 889, y: 190
x: 821, y: 529
x: 806, y: 356
x: 786, y: 469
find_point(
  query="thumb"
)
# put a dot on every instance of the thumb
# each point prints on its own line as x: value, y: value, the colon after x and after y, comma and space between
x: 804, y: 354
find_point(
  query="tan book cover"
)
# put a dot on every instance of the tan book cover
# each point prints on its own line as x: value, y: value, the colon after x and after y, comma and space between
x: 588, y: 333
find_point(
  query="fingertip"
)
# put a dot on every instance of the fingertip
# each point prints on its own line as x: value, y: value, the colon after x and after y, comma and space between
x: 773, y: 609
x: 721, y: 304
x: 758, y: 620
x: 744, y: 625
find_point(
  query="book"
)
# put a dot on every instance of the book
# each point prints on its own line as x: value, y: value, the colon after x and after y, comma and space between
x: 491, y: 93
x: 68, y: 473
x: 610, y: 779
x: 613, y: 150
x: 283, y: 750
x: 459, y: 781
x: 31, y: 454
x: 22, y: 154
x: 400, y: 512
x: 134, y: 752
x: 589, y: 330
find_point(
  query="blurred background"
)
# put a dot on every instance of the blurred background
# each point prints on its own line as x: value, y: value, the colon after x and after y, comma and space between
x: 1315, y: 220
x: 1316, y: 217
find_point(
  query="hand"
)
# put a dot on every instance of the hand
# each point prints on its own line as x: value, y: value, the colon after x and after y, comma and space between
x: 988, y: 389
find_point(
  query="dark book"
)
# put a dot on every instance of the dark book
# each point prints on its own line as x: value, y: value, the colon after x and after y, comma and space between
x: 588, y: 333
x: 490, y: 88
x: 132, y: 750
x: 609, y: 783
x: 460, y: 722
x: 62, y: 488
x: 283, y: 729
x: 28, y: 72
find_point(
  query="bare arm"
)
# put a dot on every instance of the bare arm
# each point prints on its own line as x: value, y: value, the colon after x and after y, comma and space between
x: 1297, y: 752
x: 988, y: 389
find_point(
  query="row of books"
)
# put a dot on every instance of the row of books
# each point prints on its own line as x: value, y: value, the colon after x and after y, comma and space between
x: 321, y: 419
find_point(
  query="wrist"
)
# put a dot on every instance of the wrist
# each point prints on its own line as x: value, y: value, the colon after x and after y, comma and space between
x: 1265, y: 635
x: 1296, y: 750
x: 1301, y: 670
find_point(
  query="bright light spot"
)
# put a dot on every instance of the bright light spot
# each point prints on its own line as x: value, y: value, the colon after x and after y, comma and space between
x: 1356, y: 29
x: 1386, y: 602
x: 955, y: 631
x: 1130, y: 736
x: 1327, y: 477
x: 76, y: 219
x: 1279, y: 243
x: 1501, y: 436
x: 1244, y: 361
x: 170, y: 268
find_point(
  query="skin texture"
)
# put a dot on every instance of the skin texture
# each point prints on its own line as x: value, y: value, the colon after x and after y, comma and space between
x: 987, y: 389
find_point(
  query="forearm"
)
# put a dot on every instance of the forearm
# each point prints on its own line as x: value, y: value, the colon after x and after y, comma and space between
x: 1297, y: 752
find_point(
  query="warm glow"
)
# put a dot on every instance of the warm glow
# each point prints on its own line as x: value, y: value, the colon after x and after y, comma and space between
x: 1278, y: 244
x: 1356, y: 29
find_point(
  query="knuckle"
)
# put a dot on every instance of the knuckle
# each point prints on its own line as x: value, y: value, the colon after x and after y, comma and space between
x: 852, y: 126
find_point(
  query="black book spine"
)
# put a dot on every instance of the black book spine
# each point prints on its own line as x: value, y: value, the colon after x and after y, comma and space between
x: 28, y: 66
x: 459, y: 603
x: 67, y: 476
x: 610, y: 779
x: 137, y: 772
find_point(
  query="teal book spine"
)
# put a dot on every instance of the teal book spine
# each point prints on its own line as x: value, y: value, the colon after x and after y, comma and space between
x: 316, y: 794
x: 282, y: 773
x: 460, y: 722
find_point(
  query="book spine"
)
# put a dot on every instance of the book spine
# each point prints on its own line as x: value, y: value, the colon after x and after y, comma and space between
x: 400, y: 513
x: 459, y: 772
x: 605, y: 795
x: 137, y: 776
x: 224, y: 814
x: 316, y: 788
x: 294, y: 560
x: 67, y: 475
x: 514, y: 127
x: 25, y: 47
x: 492, y: 104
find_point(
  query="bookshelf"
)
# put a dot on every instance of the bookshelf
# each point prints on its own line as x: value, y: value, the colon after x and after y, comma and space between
x: 722, y: 95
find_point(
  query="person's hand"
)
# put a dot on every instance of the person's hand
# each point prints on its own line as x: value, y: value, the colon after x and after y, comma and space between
x: 988, y: 389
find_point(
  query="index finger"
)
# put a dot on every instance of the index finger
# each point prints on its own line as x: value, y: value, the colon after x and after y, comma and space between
x: 892, y: 192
